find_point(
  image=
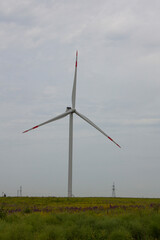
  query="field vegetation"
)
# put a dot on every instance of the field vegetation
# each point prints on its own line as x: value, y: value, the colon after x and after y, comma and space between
x: 49, y: 218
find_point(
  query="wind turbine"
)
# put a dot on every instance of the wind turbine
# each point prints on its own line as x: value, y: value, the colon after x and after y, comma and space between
x: 70, y: 111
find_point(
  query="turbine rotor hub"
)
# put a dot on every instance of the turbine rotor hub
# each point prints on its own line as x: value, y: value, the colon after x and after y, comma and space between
x: 69, y: 108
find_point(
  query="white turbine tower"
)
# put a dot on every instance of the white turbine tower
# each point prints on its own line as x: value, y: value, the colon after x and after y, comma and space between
x: 70, y: 111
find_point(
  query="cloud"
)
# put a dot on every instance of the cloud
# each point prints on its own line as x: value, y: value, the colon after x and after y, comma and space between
x: 117, y: 88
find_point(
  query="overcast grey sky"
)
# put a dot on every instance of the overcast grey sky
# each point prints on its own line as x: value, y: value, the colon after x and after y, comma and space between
x: 118, y: 88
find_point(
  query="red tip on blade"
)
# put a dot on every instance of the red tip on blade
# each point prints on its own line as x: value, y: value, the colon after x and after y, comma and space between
x: 118, y: 145
x: 25, y: 131
x: 76, y: 58
x: 110, y: 139
x: 34, y: 127
x: 30, y: 129
x: 114, y: 142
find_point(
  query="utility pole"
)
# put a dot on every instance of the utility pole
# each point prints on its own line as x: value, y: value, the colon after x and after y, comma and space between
x: 20, y: 191
x: 113, y: 191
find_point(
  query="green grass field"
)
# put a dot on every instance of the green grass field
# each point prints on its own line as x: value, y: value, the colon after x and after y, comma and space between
x: 79, y: 218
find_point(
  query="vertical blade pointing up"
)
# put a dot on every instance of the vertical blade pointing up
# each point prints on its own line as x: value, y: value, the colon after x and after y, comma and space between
x: 74, y: 83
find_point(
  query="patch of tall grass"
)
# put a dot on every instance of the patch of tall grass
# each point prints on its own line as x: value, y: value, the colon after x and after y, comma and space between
x: 78, y: 226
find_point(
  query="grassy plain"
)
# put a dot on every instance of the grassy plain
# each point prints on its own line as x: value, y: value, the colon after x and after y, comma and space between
x: 50, y: 218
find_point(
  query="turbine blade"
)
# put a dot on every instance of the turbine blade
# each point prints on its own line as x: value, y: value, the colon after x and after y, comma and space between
x: 94, y: 125
x: 74, y: 83
x: 51, y: 120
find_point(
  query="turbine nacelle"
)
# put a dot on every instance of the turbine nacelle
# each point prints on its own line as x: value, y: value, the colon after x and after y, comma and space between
x: 71, y: 110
